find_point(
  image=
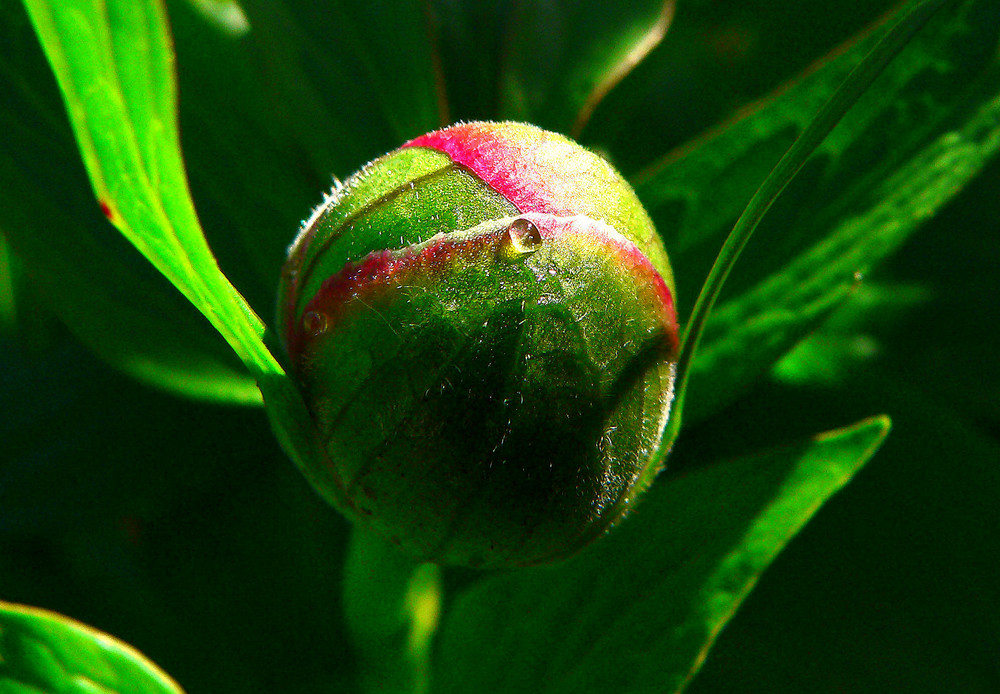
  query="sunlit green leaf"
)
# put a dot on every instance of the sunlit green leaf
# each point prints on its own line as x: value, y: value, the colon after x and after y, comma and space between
x: 638, y: 610
x: 114, y: 65
x: 797, y: 286
x: 697, y: 192
x: 91, y: 279
x: 42, y: 651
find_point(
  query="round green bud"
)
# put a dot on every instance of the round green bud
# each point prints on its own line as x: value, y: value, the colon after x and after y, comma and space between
x: 482, y: 324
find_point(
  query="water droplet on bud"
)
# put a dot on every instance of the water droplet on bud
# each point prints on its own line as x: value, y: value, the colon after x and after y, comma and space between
x: 315, y: 323
x: 524, y: 236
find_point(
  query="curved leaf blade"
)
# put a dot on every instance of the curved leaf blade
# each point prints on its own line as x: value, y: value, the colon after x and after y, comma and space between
x: 785, y: 288
x: 125, y: 121
x: 130, y: 316
x: 638, y: 611
x: 114, y: 65
x: 749, y: 333
x: 695, y: 194
x: 586, y: 48
x: 41, y: 651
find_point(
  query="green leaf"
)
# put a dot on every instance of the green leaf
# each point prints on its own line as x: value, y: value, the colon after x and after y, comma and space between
x: 8, y: 288
x: 366, y: 70
x: 696, y: 193
x: 587, y: 48
x: 847, y: 340
x: 114, y: 65
x: 747, y: 334
x: 42, y: 651
x: 129, y: 315
x: 798, y: 286
x: 639, y: 610
x: 471, y: 37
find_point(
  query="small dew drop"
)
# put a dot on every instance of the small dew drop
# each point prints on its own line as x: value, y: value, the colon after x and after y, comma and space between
x: 315, y: 323
x: 524, y: 236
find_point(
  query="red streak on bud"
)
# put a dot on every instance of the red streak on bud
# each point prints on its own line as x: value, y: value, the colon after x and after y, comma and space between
x: 381, y: 270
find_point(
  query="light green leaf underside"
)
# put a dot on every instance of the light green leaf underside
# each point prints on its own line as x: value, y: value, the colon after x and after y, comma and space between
x: 638, y: 610
x: 43, y: 652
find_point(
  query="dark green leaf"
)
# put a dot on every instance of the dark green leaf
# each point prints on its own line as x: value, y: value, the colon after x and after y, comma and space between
x: 365, y: 71
x: 585, y: 47
x: 42, y: 651
x: 696, y: 193
x: 637, y: 611
x: 471, y: 39
x: 847, y: 339
x: 8, y: 285
x: 747, y: 334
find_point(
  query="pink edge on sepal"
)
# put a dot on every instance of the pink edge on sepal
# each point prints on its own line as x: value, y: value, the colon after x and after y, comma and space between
x: 515, y: 167
x: 598, y: 234
x: 382, y: 269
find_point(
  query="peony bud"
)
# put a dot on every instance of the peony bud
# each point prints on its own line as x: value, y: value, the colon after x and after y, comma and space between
x: 482, y: 324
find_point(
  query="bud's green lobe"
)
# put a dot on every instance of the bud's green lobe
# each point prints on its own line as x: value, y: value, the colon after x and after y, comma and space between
x: 487, y: 351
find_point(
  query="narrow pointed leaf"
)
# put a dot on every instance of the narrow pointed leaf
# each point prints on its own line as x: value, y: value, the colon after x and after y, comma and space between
x: 114, y: 64
x: 748, y: 334
x: 96, y: 284
x: 784, y: 288
x: 696, y: 193
x: 42, y: 651
x: 638, y: 611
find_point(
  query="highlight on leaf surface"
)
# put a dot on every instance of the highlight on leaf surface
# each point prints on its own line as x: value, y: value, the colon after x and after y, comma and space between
x: 482, y: 323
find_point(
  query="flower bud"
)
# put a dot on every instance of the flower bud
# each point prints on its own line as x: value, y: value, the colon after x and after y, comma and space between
x: 482, y: 324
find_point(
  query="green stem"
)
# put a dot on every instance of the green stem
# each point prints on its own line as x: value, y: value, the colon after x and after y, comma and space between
x: 391, y: 603
x: 856, y: 84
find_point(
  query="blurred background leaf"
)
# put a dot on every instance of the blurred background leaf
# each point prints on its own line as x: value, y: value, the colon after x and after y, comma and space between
x: 44, y: 651
x: 586, y: 48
